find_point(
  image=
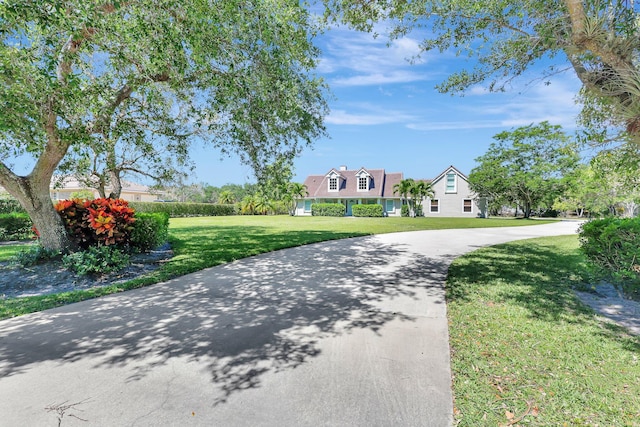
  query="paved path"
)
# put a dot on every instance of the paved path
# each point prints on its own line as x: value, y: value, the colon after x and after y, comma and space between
x: 342, y: 333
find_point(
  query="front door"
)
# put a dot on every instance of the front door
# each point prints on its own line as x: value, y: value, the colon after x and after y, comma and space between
x: 350, y: 203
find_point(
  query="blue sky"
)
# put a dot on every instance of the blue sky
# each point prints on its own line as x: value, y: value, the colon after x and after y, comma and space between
x: 385, y: 112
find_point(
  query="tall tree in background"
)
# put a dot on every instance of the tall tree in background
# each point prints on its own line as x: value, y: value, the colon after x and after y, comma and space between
x: 235, y: 73
x: 598, y: 40
x: 526, y: 166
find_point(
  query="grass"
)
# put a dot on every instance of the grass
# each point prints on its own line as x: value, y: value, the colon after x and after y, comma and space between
x: 525, y: 351
x: 208, y: 241
x: 7, y: 252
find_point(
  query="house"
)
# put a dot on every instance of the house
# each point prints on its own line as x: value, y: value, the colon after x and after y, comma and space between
x: 131, y: 192
x: 452, y: 198
x: 352, y: 187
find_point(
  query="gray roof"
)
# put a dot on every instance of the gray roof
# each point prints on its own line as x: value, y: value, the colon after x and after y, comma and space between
x: 381, y: 184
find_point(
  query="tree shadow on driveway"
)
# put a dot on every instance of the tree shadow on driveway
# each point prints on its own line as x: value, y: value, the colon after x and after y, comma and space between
x: 239, y: 320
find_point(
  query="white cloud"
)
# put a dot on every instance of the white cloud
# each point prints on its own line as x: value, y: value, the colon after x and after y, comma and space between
x: 359, y: 59
x: 367, y: 115
x: 379, y: 79
x: 554, y: 103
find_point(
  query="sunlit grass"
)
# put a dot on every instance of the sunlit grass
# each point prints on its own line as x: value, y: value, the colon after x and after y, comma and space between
x: 525, y: 351
x: 7, y: 252
x: 208, y: 241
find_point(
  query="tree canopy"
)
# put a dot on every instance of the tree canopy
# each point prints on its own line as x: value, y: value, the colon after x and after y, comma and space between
x: 598, y: 40
x: 525, y: 166
x: 91, y: 76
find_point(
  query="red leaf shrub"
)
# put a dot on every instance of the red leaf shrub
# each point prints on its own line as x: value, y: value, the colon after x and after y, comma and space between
x: 99, y: 222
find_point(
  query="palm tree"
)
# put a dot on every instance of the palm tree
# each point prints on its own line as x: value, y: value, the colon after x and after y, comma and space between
x: 248, y: 205
x: 295, y: 192
x: 262, y: 204
x: 403, y: 188
x: 226, y: 197
x: 419, y: 191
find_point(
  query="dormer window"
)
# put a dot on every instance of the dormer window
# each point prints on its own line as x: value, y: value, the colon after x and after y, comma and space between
x: 363, y: 183
x: 334, y: 180
x: 333, y: 184
x: 363, y: 180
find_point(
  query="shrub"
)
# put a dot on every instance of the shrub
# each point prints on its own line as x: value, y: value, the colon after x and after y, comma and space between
x: 97, y: 222
x: 611, y: 246
x: 96, y: 260
x: 327, y: 209
x: 368, y: 210
x: 34, y: 255
x: 404, y: 211
x: 548, y: 213
x: 10, y: 206
x: 176, y: 210
x: 149, y: 231
x: 15, y: 226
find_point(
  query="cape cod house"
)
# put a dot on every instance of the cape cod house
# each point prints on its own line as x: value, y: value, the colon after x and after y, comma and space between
x: 352, y: 187
x: 453, y: 198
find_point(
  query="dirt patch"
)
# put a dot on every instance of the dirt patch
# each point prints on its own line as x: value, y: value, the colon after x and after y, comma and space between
x: 51, y: 277
x: 611, y: 304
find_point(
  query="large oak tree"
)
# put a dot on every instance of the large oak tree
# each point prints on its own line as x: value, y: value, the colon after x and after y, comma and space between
x: 236, y: 73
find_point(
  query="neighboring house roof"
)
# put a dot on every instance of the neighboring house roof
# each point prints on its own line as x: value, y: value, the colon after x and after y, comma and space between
x: 70, y: 183
x: 380, y: 184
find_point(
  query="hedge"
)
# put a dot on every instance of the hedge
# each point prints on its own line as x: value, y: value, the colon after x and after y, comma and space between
x: 611, y: 246
x: 327, y: 209
x: 150, y: 230
x: 404, y: 211
x: 15, y: 226
x: 368, y: 210
x: 176, y: 209
x: 8, y: 206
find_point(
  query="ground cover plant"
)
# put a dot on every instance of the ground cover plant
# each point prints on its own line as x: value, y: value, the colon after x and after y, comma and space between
x: 207, y: 241
x: 525, y: 351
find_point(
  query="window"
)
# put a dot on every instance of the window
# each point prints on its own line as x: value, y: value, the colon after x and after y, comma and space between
x: 362, y: 183
x: 451, y: 182
x: 434, y: 206
x: 390, y: 206
x: 307, y: 205
x: 333, y: 184
x: 467, y: 206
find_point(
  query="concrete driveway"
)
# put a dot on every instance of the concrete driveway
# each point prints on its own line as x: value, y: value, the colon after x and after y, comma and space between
x: 342, y: 333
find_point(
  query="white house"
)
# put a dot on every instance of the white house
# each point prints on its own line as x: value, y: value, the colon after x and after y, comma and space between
x: 453, y: 198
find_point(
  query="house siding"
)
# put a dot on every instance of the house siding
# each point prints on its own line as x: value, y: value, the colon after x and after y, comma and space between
x: 452, y: 204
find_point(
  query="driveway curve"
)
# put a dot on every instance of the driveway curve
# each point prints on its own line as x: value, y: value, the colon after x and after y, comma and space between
x: 340, y: 333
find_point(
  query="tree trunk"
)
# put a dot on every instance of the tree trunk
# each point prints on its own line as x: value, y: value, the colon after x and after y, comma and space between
x: 32, y: 191
x: 116, y: 184
x: 35, y: 198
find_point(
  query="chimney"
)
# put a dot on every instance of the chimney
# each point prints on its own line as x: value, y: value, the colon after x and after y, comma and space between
x: 343, y: 168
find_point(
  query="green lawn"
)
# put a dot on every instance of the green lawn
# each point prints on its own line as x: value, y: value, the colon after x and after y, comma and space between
x: 525, y: 351
x: 207, y: 241
x: 7, y: 252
